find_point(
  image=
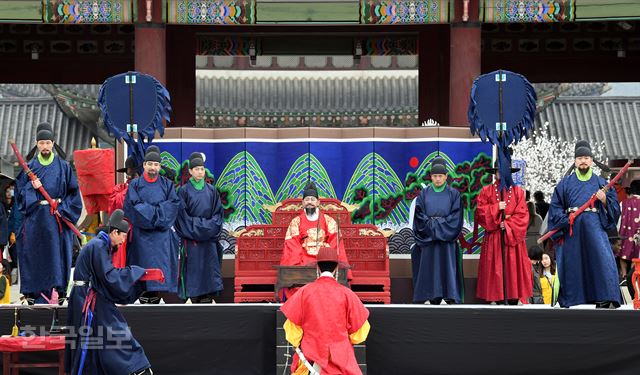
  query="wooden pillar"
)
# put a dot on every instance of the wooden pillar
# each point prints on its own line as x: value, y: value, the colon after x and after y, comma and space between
x: 465, y: 57
x: 150, y: 56
x: 433, y: 74
x: 181, y: 81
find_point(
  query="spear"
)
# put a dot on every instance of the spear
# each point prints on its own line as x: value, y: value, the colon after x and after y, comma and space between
x: 42, y: 191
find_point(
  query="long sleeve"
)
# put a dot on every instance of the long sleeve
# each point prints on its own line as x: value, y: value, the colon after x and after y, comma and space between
x: 361, y: 334
x: 292, y: 251
x: 4, y: 227
x: 118, y: 285
x: 15, y: 218
x: 293, y: 333
x: 26, y: 196
x: 149, y: 216
x: 516, y: 225
x: 558, y: 217
x: 610, y: 214
x: 200, y: 228
x: 445, y: 228
x: 71, y: 205
x: 487, y: 211
x: 448, y: 228
x: 117, y: 196
x: 421, y: 227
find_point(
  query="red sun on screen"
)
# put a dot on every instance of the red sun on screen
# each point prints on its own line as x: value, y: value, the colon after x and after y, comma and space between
x: 413, y: 162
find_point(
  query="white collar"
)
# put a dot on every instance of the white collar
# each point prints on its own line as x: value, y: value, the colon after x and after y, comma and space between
x: 327, y: 274
x: 313, y: 217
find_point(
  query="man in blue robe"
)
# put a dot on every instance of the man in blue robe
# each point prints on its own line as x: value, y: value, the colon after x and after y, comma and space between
x: 435, y: 258
x: 152, y: 205
x: 585, y: 263
x: 100, y: 341
x: 199, y: 224
x: 46, y: 243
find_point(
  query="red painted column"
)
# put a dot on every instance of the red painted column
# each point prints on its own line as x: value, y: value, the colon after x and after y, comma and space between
x: 465, y: 57
x: 181, y: 81
x: 150, y: 41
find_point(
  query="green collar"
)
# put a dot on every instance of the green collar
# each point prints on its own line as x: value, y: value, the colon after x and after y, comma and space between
x: 584, y: 177
x: 44, y: 161
x: 439, y: 189
x: 197, y: 185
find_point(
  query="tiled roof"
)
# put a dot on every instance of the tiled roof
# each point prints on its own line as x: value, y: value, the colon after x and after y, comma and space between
x: 20, y: 116
x: 614, y: 120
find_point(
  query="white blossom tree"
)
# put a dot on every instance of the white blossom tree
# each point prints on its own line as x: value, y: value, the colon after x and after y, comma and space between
x: 548, y: 158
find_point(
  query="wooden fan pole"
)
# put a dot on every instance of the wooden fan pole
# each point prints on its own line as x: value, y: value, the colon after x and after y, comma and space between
x: 502, y: 214
x: 131, y: 106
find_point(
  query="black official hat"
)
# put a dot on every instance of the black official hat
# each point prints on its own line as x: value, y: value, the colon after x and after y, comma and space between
x: 196, y: 160
x: 44, y: 132
x: 438, y: 166
x: 117, y: 221
x: 310, y: 190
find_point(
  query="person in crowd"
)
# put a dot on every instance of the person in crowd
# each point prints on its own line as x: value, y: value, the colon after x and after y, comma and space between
x: 548, y: 279
x: 629, y: 226
x: 542, y: 207
x: 535, y: 255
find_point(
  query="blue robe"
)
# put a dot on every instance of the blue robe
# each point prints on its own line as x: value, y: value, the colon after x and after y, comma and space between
x: 585, y: 263
x: 111, y: 348
x: 152, y: 208
x: 44, y: 254
x: 199, y: 224
x: 435, y: 258
x: 4, y: 227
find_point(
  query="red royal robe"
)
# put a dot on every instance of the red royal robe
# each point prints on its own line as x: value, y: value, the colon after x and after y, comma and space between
x: 116, y: 201
x: 519, y: 281
x: 328, y: 313
x: 303, y: 241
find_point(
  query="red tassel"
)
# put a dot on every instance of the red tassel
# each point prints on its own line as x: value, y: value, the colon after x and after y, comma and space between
x: 572, y: 217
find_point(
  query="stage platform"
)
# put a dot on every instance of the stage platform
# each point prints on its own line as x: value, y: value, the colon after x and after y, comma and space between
x: 404, y: 339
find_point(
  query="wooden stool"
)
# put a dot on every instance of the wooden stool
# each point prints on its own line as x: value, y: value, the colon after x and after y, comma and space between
x: 12, y: 347
x: 11, y: 364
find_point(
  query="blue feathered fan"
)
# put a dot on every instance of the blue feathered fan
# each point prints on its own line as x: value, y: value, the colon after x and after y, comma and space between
x: 131, y: 103
x: 502, y: 109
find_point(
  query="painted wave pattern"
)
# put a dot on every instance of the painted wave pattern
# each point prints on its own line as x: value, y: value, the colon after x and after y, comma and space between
x: 306, y: 167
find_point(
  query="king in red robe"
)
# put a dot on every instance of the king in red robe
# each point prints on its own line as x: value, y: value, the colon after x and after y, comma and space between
x: 518, y: 266
x: 309, y: 232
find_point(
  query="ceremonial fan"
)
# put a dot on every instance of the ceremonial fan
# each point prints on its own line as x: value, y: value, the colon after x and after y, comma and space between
x: 132, y: 103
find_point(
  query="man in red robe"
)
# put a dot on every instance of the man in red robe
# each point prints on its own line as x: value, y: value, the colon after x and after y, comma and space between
x: 309, y: 232
x: 324, y: 320
x: 489, y: 213
x: 116, y: 202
